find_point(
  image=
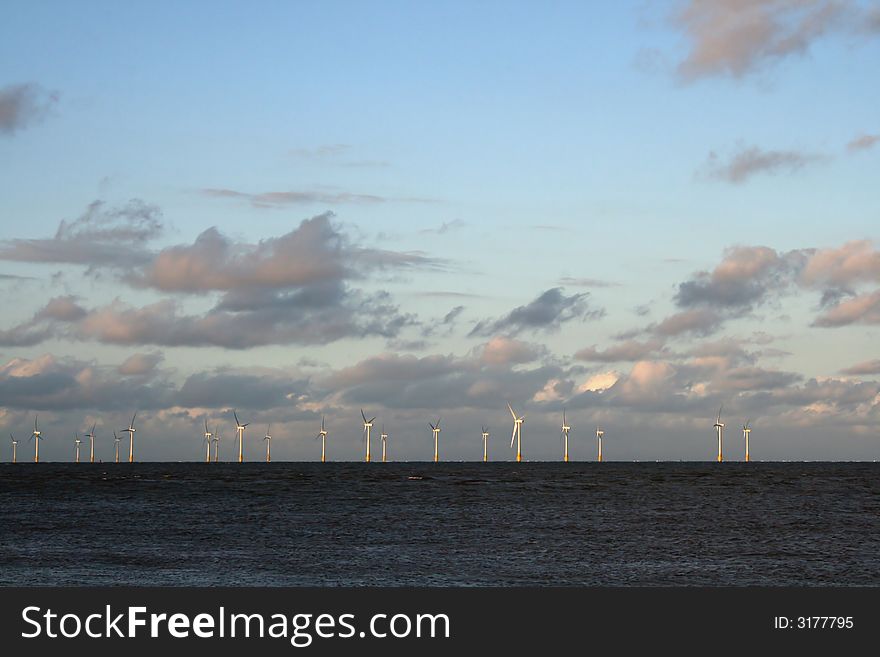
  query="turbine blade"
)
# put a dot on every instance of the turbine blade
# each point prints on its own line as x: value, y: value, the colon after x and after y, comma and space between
x: 364, y: 415
x: 512, y: 436
x: 237, y: 423
x: 372, y: 418
x: 510, y: 408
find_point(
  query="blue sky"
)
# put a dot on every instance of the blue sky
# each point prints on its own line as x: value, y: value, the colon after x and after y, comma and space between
x: 473, y: 155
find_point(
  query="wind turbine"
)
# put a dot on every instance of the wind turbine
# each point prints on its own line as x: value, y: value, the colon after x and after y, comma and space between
x: 517, y: 432
x: 76, y: 442
x: 240, y: 428
x: 216, y: 440
x: 207, y: 441
x: 485, y: 444
x: 36, y: 436
x: 746, y: 431
x: 565, y: 430
x: 130, y: 431
x: 368, y: 424
x: 322, y: 434
x: 91, y: 436
x: 599, y: 435
x: 14, y: 445
x: 268, y: 440
x: 116, y: 440
x: 384, y: 437
x: 436, y: 431
x: 719, y: 429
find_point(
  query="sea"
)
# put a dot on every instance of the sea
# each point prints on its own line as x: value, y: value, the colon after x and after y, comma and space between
x: 443, y: 524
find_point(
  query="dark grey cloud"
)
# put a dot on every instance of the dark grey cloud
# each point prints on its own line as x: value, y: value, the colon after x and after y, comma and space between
x: 58, y: 384
x: 699, y: 321
x: 295, y: 318
x: 547, y: 312
x: 225, y: 388
x: 435, y: 383
x: 444, y: 326
x: 102, y: 236
x: 50, y: 383
x: 628, y: 350
x: 748, y: 162
x: 743, y: 278
x: 313, y: 253
x: 866, y: 368
x: 22, y: 105
x: 860, y: 309
x: 142, y: 364
x: 292, y: 289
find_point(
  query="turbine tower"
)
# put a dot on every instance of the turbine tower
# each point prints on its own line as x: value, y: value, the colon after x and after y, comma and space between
x: 207, y: 441
x: 719, y: 429
x: 384, y: 437
x: 368, y: 424
x: 747, y: 430
x: 76, y: 442
x: 565, y: 430
x: 485, y: 444
x: 130, y: 431
x: 240, y: 428
x: 268, y: 440
x: 216, y: 440
x: 36, y: 436
x: 91, y: 436
x: 116, y: 440
x: 322, y: 434
x: 14, y: 445
x: 517, y: 432
x: 599, y: 435
x: 436, y: 431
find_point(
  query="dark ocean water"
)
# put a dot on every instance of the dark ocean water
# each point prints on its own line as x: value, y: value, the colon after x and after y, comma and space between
x: 456, y: 524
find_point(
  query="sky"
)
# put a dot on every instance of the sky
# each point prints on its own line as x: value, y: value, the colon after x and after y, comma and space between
x: 636, y: 212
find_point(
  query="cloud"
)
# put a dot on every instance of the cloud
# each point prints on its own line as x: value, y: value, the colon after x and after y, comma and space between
x: 699, y: 321
x: 314, y: 253
x: 444, y: 326
x: 586, y: 282
x: 102, y: 236
x: 743, y: 278
x: 748, y: 162
x: 733, y: 38
x: 546, y: 313
x: 862, y: 309
x: 435, y: 382
x: 141, y: 364
x: 310, y: 317
x: 292, y: 289
x: 509, y: 351
x: 57, y: 384
x: 629, y: 350
x: 51, y: 383
x: 306, y: 197
x: 862, y: 142
x: 444, y: 228
x: 22, y: 105
x: 867, y: 368
x: 854, y: 262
